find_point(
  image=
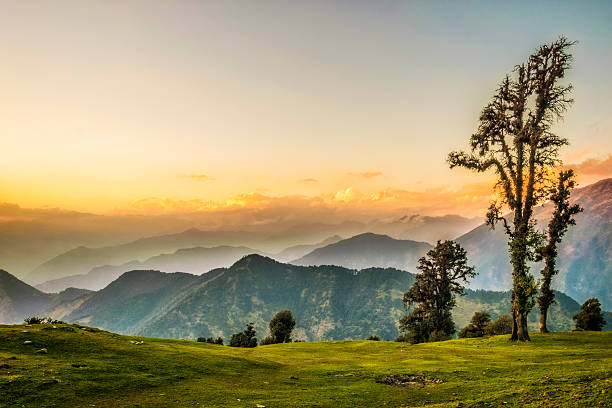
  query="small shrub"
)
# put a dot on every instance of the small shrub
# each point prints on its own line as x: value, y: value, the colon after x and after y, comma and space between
x: 42, y: 320
x: 477, y: 326
x: 405, y: 338
x: 267, y: 340
x: 244, y: 339
x: 373, y: 338
x: 503, y: 325
x: 210, y: 340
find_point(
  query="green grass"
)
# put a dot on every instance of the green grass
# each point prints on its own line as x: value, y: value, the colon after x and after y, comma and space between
x: 105, y: 370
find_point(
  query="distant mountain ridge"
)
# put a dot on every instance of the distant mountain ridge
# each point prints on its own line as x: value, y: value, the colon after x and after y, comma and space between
x: 196, y: 260
x: 368, y: 250
x: 298, y: 251
x: 80, y: 260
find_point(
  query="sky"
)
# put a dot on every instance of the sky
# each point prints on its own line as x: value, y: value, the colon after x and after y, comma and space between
x: 161, y: 106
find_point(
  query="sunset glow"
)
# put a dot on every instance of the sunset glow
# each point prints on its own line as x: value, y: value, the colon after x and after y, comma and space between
x: 154, y: 107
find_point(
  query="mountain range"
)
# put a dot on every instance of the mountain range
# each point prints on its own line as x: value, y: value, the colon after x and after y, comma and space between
x: 329, y: 302
x: 196, y: 260
x: 38, y: 245
x: 585, y: 254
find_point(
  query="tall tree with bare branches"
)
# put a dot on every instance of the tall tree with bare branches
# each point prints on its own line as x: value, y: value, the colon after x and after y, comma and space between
x: 562, y: 218
x: 515, y: 140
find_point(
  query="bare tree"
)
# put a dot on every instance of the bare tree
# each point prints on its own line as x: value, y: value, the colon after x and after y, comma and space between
x: 514, y: 139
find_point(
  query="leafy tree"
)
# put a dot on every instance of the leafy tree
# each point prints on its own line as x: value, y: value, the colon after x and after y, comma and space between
x: 476, y: 328
x: 244, y: 339
x: 562, y: 218
x: 590, y: 316
x: 373, y: 338
x: 219, y: 341
x: 515, y: 140
x: 281, y: 326
x: 503, y: 325
x: 434, y: 291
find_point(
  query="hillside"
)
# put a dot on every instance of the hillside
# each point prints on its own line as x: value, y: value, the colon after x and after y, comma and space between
x: 127, y: 303
x: 368, y: 250
x: 89, y: 367
x: 329, y: 302
x: 585, y: 255
x: 426, y: 228
x: 298, y: 251
x: 19, y: 300
x: 196, y: 260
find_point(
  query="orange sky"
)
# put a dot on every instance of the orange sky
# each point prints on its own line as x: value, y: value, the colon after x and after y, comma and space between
x: 178, y: 106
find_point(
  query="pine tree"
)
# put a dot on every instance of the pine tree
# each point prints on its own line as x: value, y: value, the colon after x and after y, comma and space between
x: 433, y: 292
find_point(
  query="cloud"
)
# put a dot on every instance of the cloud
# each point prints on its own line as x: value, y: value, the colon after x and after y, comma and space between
x: 13, y: 212
x: 594, y: 166
x: 198, y: 177
x: 367, y: 174
x: 308, y: 180
x: 576, y: 155
x: 348, y: 204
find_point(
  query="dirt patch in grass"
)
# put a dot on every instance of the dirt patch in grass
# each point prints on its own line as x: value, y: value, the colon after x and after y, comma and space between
x: 408, y: 380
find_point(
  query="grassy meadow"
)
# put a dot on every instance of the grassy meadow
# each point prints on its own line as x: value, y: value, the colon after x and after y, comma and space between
x: 89, y: 368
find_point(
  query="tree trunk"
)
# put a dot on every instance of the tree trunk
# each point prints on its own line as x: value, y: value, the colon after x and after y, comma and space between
x: 547, y: 295
x: 520, y: 273
x: 543, y: 313
x: 522, y: 330
x: 514, y: 336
